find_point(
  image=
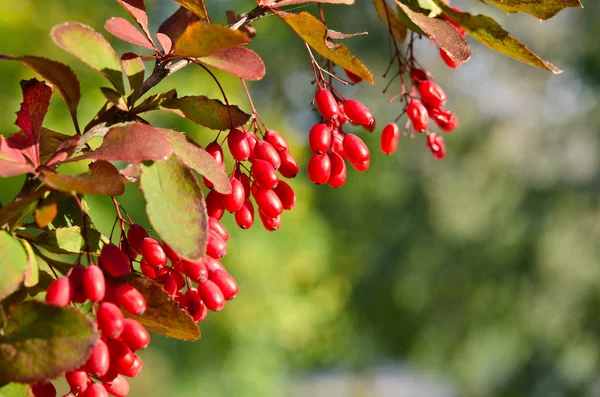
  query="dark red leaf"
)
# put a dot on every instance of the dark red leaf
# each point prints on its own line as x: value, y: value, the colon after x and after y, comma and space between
x: 137, y: 10
x: 124, y: 30
x: 102, y: 178
x: 12, y: 161
x: 176, y: 24
x: 56, y: 147
x: 239, y: 61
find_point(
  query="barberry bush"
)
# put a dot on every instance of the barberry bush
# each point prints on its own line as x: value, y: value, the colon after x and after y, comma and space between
x: 78, y: 304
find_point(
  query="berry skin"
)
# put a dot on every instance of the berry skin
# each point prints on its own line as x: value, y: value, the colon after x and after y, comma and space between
x: 212, y: 264
x: 168, y: 283
x: 110, y: 320
x: 432, y: 94
x: 264, y: 174
x: 95, y: 390
x: 94, y: 285
x: 153, y: 253
x: 319, y: 138
x: 389, y: 138
x: 444, y: 118
x: 268, y: 202
x: 215, y: 225
x: 194, y: 305
x: 326, y: 104
x: 75, y: 276
x: 238, y: 145
x: 338, y: 145
x: 245, y: 216
x: 448, y: 60
x: 277, y: 140
x: 436, y: 144
x: 119, y: 387
x: 135, y: 235
x: 214, y: 204
x: 59, y: 292
x: 338, y: 170
x: 196, y: 271
x: 265, y: 151
x: 353, y: 78
x: 270, y: 224
x: 211, y: 295
x: 225, y: 282
x: 234, y: 201
x: 358, y: 113
x: 135, y: 368
x: 130, y: 298
x: 216, y: 151
x: 216, y: 246
x: 319, y: 169
x: 417, y: 113
x: 418, y: 75
x: 286, y: 195
x: 361, y: 167
x: 43, y: 389
x: 99, y: 360
x: 135, y: 335
x: 289, y: 166
x: 356, y: 149
x: 147, y: 270
x: 251, y: 138
x: 114, y: 261
x: 121, y: 359
x: 77, y: 380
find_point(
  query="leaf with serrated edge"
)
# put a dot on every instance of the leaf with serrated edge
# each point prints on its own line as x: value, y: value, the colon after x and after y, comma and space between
x: 239, y: 61
x: 123, y: 29
x: 132, y: 143
x: 542, y: 9
x: 175, y: 206
x: 388, y: 15
x: 14, y: 264
x: 61, y: 76
x: 32, y: 272
x: 199, y: 160
x: 210, y: 113
x: 103, y: 178
x: 202, y: 39
x: 490, y: 33
x: 314, y: 32
x: 163, y: 315
x: 42, y: 341
x: 91, y: 48
x: 56, y: 147
x: 197, y: 7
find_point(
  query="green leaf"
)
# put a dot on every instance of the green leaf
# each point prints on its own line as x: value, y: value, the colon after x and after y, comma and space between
x: 163, y: 315
x: 428, y: 5
x: 490, y: 33
x: 65, y: 240
x: 210, y: 113
x: 42, y: 341
x: 153, y: 102
x: 14, y: 264
x: 16, y: 390
x: 91, y: 48
x: 388, y: 15
x: 103, y: 178
x: 202, y: 39
x: 12, y: 211
x: 314, y: 32
x: 199, y: 160
x: 32, y: 272
x: 542, y: 9
x: 175, y: 206
x: 134, y: 69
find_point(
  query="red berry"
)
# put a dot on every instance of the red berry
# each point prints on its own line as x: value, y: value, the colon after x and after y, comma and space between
x: 59, y: 292
x: 265, y: 151
x: 135, y: 235
x: 94, y: 285
x: 417, y: 113
x: 216, y: 226
x: 338, y: 145
x: 43, y: 388
x: 436, y: 144
x: 135, y: 368
x: 371, y: 127
x: 234, y: 200
x: 211, y: 296
x: 361, y: 167
x: 135, y: 335
x: 99, y: 360
x: 212, y: 264
x: 353, y: 78
x: 286, y: 195
x: 238, y: 145
x: 95, y: 390
x: 216, y: 246
x: 196, y: 271
x: 153, y: 253
x: 389, y: 138
x: 337, y: 177
x: 264, y: 174
x: 358, y: 113
x: 173, y: 256
x: 75, y: 276
x: 319, y: 169
x: 168, y: 283
x: 289, y: 166
x: 125, y: 247
x: 270, y: 224
x: 418, y: 75
x: 121, y: 358
x: 77, y: 380
x: 119, y: 387
x: 110, y: 319
x: 444, y: 118
x: 356, y: 149
x: 251, y: 138
x: 432, y: 94
x: 214, y: 204
x: 112, y: 373
x: 148, y: 271
x: 216, y: 151
x: 194, y: 305
x: 245, y: 216
x: 178, y: 277
x: 225, y: 282
x: 245, y: 180
x: 319, y: 138
x: 448, y: 60
x: 341, y: 118
x: 268, y: 202
x: 114, y: 261
x: 130, y: 298
x: 326, y: 103
x: 277, y: 140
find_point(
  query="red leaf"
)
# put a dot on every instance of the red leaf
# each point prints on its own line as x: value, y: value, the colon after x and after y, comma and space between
x: 56, y: 147
x: 12, y: 161
x: 177, y: 23
x: 36, y: 99
x: 124, y: 30
x: 137, y: 10
x: 132, y: 143
x: 103, y: 178
x: 61, y: 77
x: 239, y: 61
x: 165, y: 42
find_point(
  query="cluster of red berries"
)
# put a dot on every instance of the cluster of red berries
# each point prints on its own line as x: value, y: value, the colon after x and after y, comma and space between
x: 331, y: 146
x: 267, y: 158
x: 113, y: 357
x: 215, y: 285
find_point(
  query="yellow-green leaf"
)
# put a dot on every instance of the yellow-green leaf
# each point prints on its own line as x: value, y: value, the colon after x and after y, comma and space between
x: 202, y: 39
x: 391, y: 18
x: 207, y: 112
x: 542, y: 9
x: 14, y: 264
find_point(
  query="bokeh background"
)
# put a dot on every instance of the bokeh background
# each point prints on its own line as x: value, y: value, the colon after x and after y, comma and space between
x: 478, y: 275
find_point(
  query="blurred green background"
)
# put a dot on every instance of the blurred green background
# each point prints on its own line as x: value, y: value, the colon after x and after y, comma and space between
x: 478, y: 275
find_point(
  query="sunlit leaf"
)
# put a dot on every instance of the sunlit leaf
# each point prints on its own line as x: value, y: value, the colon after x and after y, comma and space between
x: 239, y: 61
x: 69, y: 240
x: 137, y: 10
x: 210, y: 113
x: 45, y: 214
x: 197, y: 7
x: 16, y: 390
x: 102, y: 178
x: 12, y: 161
x: 31, y: 277
x: 56, y: 147
x: 176, y: 24
x: 124, y: 30
x: 542, y: 9
x: 202, y: 39
x: 14, y: 264
x: 134, y: 69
